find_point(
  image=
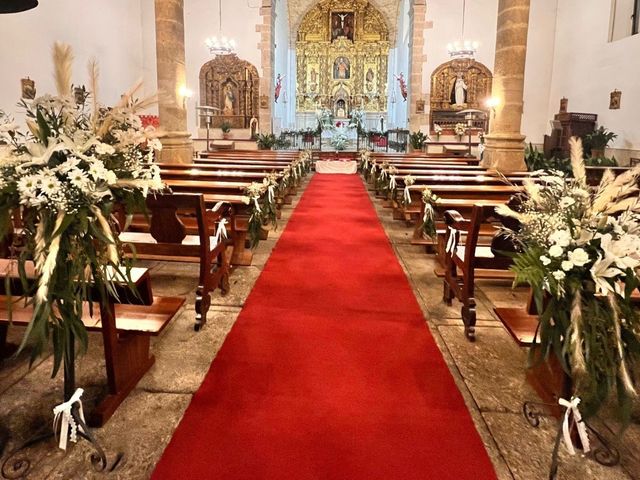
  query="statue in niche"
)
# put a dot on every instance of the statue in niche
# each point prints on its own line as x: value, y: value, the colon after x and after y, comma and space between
x: 342, y: 69
x: 313, y: 77
x: 229, y: 100
x: 369, y: 78
x: 459, y: 91
x: 341, y: 110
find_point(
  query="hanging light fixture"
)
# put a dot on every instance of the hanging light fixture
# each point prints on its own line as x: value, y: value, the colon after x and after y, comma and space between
x: 463, y: 49
x: 223, y: 45
x: 15, y: 6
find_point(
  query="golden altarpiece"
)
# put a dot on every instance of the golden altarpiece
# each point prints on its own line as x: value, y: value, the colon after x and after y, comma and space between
x: 460, y: 84
x: 342, y: 52
x: 231, y: 86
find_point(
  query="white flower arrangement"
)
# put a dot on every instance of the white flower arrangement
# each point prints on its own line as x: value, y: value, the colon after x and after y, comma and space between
x: 460, y: 129
x: 62, y: 180
x: 581, y: 255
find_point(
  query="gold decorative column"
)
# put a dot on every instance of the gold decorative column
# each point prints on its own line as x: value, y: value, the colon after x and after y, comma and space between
x: 176, y: 141
x: 505, y: 143
x: 418, y: 25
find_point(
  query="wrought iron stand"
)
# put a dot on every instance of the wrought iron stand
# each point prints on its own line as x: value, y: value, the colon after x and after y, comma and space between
x: 18, y: 464
x: 605, y: 453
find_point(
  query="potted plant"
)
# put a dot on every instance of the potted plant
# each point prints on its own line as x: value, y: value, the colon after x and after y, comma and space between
x: 225, y: 126
x: 266, y: 141
x: 459, y: 130
x: 417, y: 140
x: 580, y: 253
x: 598, y: 140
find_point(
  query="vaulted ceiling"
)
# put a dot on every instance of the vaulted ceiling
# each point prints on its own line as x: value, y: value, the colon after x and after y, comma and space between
x: 299, y: 8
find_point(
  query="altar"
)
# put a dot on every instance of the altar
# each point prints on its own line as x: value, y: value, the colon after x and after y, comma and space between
x: 337, y: 162
x: 349, y: 167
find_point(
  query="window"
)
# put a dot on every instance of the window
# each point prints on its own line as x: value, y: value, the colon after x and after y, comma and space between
x: 625, y: 19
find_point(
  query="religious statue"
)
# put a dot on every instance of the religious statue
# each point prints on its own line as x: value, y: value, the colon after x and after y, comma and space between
x: 341, y: 110
x: 229, y: 100
x: 403, y: 85
x: 369, y: 77
x: 253, y: 127
x: 278, y: 87
x: 313, y: 76
x: 459, y: 91
x: 342, y: 70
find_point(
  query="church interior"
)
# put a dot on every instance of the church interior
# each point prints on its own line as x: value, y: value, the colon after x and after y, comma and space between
x: 320, y: 239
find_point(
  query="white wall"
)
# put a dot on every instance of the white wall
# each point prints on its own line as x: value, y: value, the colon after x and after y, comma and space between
x: 283, y: 66
x: 399, y: 63
x: 113, y: 36
x: 539, y: 69
x: 587, y: 67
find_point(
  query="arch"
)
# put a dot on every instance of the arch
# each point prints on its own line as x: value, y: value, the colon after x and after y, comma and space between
x: 231, y: 85
x: 475, y: 89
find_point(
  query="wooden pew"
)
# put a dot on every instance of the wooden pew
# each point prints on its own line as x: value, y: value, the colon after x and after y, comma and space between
x: 462, y: 261
x: 126, y: 330
x: 166, y: 237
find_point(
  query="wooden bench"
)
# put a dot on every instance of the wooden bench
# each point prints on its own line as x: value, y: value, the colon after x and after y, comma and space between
x: 462, y: 261
x: 167, y: 238
x: 126, y: 330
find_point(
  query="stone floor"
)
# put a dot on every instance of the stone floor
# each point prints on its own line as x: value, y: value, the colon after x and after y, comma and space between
x: 489, y: 373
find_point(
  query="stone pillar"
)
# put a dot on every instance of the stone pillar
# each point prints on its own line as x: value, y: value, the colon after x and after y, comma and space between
x: 266, y: 47
x: 505, y: 143
x: 176, y: 141
x: 417, y: 14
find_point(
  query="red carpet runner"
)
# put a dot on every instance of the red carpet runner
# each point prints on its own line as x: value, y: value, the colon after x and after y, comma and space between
x: 330, y: 372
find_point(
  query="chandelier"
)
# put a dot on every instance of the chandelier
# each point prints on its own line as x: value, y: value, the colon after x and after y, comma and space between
x: 224, y: 45
x: 463, y: 49
x: 15, y: 6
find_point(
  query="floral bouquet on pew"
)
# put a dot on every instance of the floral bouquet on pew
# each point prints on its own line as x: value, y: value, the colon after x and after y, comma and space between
x: 261, y: 199
x: 60, y: 180
x: 581, y: 256
x: 429, y: 200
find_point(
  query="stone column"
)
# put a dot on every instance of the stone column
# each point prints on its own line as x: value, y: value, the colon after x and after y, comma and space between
x: 266, y: 29
x: 505, y: 143
x: 417, y: 14
x: 176, y: 141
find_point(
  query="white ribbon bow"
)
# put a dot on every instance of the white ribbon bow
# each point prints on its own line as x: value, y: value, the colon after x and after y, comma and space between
x: 452, y: 242
x: 62, y: 418
x: 572, y: 408
x: 221, y: 232
x: 257, y: 204
x: 407, y: 196
x: 392, y: 182
x: 271, y: 195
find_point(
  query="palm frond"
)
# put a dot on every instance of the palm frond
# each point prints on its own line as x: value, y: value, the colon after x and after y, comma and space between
x: 577, y: 160
x: 94, y: 75
x: 63, y: 65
